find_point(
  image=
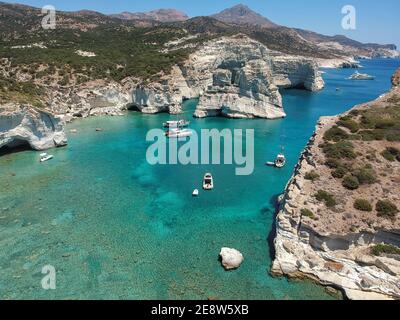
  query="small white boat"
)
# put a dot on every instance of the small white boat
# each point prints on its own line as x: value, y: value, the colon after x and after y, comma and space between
x: 176, y: 124
x: 361, y: 76
x: 178, y: 133
x: 208, y: 182
x: 279, y: 162
x: 195, y: 193
x: 45, y: 157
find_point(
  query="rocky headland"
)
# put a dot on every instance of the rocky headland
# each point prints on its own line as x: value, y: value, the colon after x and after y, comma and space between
x: 20, y: 124
x: 234, y: 77
x: 338, y: 221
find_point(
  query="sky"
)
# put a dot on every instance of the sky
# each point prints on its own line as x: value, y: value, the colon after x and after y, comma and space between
x: 376, y: 21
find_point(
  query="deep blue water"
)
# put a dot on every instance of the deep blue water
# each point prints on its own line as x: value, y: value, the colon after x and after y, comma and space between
x: 115, y: 227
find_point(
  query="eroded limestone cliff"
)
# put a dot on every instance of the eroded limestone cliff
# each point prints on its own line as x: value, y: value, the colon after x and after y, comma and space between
x: 339, y: 221
x: 233, y: 76
x: 20, y: 124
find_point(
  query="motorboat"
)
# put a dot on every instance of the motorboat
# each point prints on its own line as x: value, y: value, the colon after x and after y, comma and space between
x: 178, y: 133
x: 361, y: 76
x: 208, y: 182
x: 176, y: 124
x: 279, y: 162
x: 45, y: 157
x: 195, y: 192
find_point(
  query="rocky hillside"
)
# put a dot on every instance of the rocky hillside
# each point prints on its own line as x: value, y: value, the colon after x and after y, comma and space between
x: 341, y: 44
x: 98, y: 64
x: 337, y: 45
x: 160, y: 15
x: 339, y: 221
x: 86, y: 48
x: 396, y: 79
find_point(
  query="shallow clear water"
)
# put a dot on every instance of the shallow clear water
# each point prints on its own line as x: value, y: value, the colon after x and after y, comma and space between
x: 115, y: 227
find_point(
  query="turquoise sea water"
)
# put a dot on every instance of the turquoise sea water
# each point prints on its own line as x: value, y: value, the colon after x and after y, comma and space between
x: 115, y: 227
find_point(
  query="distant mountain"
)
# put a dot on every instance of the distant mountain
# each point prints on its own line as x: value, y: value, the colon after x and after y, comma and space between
x: 301, y: 40
x: 160, y: 15
x: 340, y: 42
x: 241, y: 14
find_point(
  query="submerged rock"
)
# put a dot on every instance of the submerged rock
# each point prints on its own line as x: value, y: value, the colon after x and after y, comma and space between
x: 23, y: 124
x: 231, y: 258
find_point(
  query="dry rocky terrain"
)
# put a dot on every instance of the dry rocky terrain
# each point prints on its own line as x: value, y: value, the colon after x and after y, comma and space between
x: 339, y: 221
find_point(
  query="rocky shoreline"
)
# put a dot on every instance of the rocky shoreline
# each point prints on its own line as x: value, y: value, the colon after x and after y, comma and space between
x: 333, y: 246
x: 234, y: 77
x: 20, y: 124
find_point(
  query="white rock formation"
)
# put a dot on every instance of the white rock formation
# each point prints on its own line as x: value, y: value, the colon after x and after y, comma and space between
x: 166, y: 95
x: 307, y: 247
x: 234, y: 77
x: 231, y: 258
x: 24, y: 124
x: 241, y: 89
x: 92, y: 98
x: 293, y: 72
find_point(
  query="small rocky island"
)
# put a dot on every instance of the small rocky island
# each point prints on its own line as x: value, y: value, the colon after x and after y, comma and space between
x: 339, y: 220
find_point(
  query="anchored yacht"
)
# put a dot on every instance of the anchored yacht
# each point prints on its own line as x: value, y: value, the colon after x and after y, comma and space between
x: 208, y: 182
x: 178, y: 133
x: 361, y: 76
x: 45, y: 157
x: 176, y: 124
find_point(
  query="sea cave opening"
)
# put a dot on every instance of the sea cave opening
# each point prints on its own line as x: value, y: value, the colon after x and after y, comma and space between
x: 14, y: 146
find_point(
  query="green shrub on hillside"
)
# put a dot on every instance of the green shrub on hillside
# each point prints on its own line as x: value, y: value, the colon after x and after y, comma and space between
x: 380, y: 249
x: 333, y: 163
x: 307, y: 213
x: 325, y: 196
x: 393, y: 136
x: 312, y: 176
x: 351, y: 182
x: 350, y: 124
x: 340, y: 150
x: 335, y: 134
x: 365, y: 175
x: 385, y: 208
x: 340, y: 172
x: 391, y: 153
x: 372, y: 135
x: 363, y: 205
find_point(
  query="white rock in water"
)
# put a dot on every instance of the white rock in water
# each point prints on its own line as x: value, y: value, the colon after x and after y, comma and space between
x: 231, y: 258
